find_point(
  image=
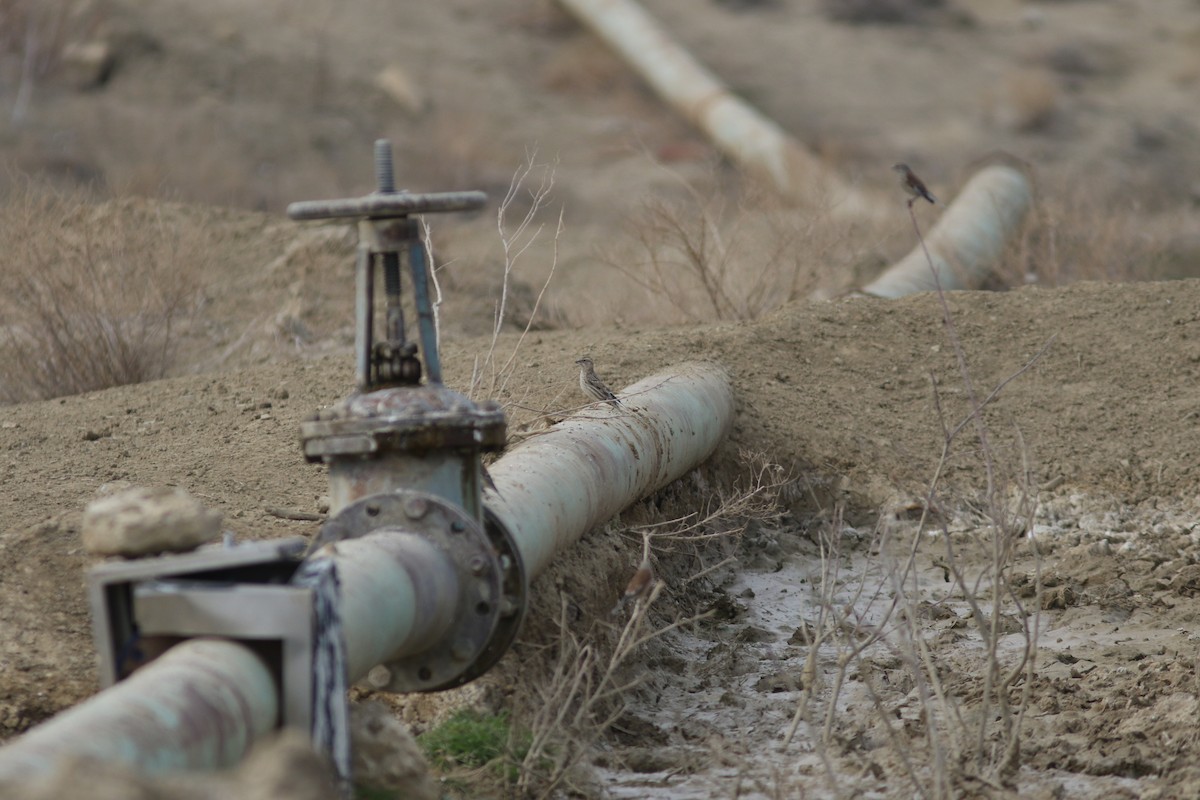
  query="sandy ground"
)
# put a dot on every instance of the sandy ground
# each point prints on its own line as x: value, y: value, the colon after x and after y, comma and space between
x: 231, y: 110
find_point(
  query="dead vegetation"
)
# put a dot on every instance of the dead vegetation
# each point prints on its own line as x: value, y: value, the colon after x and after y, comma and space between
x: 1079, y: 233
x: 492, y: 370
x: 952, y: 727
x: 712, y: 255
x: 94, y: 294
x: 738, y: 253
x: 596, y: 659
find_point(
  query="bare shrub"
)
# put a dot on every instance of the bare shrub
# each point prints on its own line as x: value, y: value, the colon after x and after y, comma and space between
x: 951, y: 719
x: 490, y: 374
x: 728, y: 510
x: 584, y: 696
x: 1079, y: 232
x: 595, y: 669
x: 985, y: 745
x: 92, y: 293
x: 969, y: 707
x: 709, y: 259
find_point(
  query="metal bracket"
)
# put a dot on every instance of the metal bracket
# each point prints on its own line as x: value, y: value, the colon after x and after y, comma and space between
x: 111, y: 586
x: 259, y: 594
x: 282, y: 616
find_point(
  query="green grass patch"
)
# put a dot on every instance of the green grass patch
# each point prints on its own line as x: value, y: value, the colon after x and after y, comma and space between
x: 471, y: 739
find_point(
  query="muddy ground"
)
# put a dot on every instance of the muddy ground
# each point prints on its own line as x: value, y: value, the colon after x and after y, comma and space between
x: 216, y: 116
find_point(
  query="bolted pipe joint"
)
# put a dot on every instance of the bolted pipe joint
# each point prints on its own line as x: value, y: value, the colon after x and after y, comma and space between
x: 452, y: 593
x: 405, y: 473
x: 427, y: 438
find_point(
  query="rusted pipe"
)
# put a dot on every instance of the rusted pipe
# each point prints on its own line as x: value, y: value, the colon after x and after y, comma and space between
x: 554, y: 487
x: 203, y: 703
x: 967, y: 241
x: 199, y: 706
x: 398, y: 593
x: 736, y: 128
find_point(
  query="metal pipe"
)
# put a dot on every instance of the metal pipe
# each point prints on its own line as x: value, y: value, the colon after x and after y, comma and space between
x: 364, y: 314
x: 438, y: 472
x: 202, y: 704
x: 199, y: 706
x: 398, y: 593
x: 967, y: 241
x: 736, y: 128
x: 425, y: 323
x: 554, y: 487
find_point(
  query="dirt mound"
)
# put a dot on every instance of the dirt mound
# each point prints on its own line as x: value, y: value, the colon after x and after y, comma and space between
x: 257, y: 105
x: 840, y: 392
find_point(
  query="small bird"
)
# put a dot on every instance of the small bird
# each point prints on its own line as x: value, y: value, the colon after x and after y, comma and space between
x: 913, y: 185
x: 594, y: 388
x: 639, y: 586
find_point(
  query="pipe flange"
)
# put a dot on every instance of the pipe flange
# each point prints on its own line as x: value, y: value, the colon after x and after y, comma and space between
x: 453, y: 659
x: 402, y: 419
x: 514, y: 601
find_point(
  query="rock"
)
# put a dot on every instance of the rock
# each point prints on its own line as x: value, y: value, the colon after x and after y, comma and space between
x: 783, y: 681
x: 285, y: 766
x: 386, y: 756
x: 145, y: 521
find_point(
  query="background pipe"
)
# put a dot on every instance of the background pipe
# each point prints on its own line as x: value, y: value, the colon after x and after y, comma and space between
x: 199, y: 706
x: 737, y: 129
x: 554, y: 487
x: 968, y: 240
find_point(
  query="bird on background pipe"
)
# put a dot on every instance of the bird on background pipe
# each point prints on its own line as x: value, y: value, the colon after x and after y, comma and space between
x: 913, y: 185
x: 593, y: 388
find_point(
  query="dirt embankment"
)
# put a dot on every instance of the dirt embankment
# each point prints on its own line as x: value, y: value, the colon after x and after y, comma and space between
x: 256, y: 105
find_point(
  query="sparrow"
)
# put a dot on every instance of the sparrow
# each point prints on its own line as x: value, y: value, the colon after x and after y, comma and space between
x: 593, y: 388
x: 639, y: 586
x: 913, y: 185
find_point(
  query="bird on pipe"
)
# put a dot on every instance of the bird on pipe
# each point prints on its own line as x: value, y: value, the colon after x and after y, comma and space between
x: 592, y: 387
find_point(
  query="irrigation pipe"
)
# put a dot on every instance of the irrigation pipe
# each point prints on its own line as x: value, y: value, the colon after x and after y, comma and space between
x: 737, y: 129
x: 203, y: 704
x: 967, y: 241
x: 200, y: 706
x: 554, y: 487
